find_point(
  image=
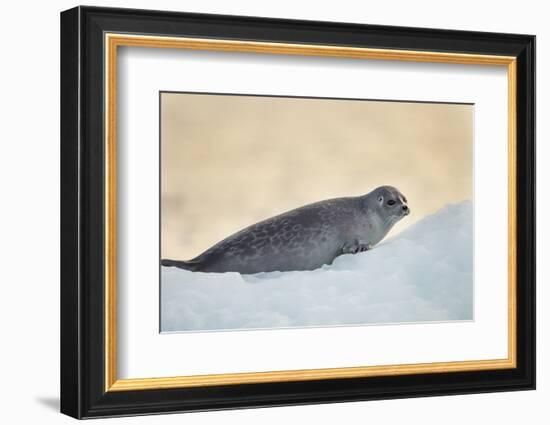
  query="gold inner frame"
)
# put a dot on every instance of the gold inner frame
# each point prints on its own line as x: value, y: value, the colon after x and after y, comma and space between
x: 113, y: 41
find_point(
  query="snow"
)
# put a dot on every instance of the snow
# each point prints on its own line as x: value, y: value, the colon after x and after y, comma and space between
x: 422, y: 274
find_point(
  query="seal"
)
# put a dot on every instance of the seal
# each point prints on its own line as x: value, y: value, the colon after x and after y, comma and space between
x: 305, y: 238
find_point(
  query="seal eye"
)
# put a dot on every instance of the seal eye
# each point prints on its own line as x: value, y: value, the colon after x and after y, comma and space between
x: 391, y: 202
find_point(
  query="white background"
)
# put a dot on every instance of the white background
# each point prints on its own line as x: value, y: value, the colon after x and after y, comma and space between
x: 143, y: 352
x: 29, y: 171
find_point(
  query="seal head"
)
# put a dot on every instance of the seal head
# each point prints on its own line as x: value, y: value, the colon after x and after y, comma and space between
x: 305, y: 238
x: 388, y: 205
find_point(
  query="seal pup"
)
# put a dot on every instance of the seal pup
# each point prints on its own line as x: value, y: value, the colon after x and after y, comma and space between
x: 305, y: 238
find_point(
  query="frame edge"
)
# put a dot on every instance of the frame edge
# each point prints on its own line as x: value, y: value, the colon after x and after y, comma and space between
x: 70, y: 347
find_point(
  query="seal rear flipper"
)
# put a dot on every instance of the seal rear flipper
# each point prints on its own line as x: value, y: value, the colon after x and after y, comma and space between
x: 185, y: 265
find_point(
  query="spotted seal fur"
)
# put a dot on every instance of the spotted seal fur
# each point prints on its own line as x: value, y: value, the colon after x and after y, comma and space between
x: 305, y: 238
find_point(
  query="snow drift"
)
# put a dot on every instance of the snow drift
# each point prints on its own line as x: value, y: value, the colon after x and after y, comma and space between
x: 422, y: 274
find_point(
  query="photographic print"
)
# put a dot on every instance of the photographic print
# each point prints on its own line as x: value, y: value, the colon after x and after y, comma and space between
x: 281, y: 212
x: 347, y: 209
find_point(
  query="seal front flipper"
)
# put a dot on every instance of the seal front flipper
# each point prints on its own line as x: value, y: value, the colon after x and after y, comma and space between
x: 185, y: 265
x: 356, y: 247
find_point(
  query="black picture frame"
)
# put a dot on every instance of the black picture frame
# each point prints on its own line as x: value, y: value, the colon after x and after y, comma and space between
x: 83, y: 392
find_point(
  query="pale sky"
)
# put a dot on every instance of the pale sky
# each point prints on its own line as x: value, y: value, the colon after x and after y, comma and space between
x: 230, y: 161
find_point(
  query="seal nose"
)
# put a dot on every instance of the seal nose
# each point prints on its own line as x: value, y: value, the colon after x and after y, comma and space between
x: 405, y: 208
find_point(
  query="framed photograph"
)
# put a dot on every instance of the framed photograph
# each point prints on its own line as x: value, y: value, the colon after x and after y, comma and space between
x: 261, y: 212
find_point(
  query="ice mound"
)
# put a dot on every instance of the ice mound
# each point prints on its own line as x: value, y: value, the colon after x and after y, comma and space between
x: 424, y: 273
